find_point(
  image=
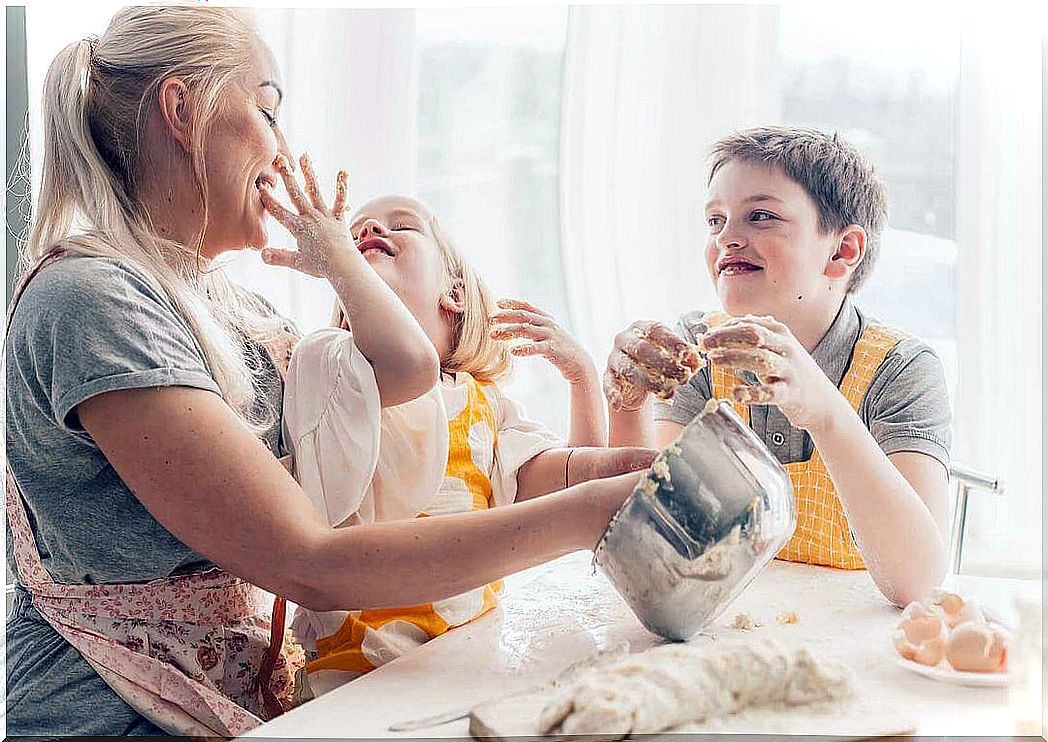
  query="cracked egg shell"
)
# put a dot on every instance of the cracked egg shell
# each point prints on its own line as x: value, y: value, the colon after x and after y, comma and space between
x: 955, y: 608
x: 977, y: 647
x: 921, y: 635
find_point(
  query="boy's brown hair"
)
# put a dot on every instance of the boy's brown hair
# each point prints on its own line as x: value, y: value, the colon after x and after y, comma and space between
x: 837, y: 176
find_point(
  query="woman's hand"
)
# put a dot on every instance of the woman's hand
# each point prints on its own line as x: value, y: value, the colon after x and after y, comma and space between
x: 647, y: 358
x: 318, y: 230
x: 521, y: 320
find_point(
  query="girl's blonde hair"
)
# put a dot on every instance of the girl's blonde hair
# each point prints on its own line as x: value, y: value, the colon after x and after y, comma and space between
x: 95, y: 102
x: 472, y: 348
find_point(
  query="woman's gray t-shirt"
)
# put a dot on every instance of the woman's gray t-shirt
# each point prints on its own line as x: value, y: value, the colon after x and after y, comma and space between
x: 86, y: 326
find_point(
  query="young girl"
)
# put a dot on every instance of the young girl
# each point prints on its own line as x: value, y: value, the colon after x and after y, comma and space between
x: 461, y: 446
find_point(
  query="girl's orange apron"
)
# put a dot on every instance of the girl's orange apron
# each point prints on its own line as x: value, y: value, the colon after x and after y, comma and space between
x: 197, y: 654
x: 823, y: 535
x: 344, y: 651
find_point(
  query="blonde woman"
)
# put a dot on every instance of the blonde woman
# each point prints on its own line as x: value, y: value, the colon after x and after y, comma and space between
x: 143, y: 510
x: 462, y: 446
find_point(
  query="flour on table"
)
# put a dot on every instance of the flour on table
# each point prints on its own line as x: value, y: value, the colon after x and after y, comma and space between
x: 676, y: 684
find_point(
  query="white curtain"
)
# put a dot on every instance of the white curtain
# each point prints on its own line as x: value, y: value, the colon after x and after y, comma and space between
x: 998, y: 412
x: 646, y: 90
x: 349, y: 85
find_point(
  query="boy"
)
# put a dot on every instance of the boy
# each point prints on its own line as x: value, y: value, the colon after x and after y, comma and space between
x: 855, y: 410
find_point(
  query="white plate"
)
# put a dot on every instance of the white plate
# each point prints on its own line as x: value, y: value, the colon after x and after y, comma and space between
x: 946, y: 674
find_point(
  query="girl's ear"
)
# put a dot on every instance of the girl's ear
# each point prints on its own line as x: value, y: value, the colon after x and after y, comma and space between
x: 175, y: 109
x: 851, y: 248
x: 454, y: 299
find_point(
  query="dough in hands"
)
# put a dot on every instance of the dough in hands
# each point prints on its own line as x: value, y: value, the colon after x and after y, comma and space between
x: 675, y: 684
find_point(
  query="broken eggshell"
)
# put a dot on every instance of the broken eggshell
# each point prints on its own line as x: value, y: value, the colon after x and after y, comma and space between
x: 921, y: 635
x: 955, y: 608
x: 977, y: 646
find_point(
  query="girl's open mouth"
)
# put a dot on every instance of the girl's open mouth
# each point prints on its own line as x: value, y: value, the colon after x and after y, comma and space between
x: 375, y: 245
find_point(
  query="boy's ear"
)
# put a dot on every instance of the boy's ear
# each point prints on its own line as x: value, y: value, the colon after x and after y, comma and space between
x: 454, y: 299
x: 851, y: 248
x: 175, y: 109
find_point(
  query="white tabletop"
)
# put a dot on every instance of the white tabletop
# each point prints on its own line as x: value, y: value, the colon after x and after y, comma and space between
x: 557, y: 614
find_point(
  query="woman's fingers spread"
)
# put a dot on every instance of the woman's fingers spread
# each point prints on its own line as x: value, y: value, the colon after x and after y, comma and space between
x: 526, y: 306
x: 758, y: 361
x: 521, y: 316
x: 294, y: 192
x: 312, y: 189
x: 276, y: 208
x: 508, y: 332
x: 341, y: 188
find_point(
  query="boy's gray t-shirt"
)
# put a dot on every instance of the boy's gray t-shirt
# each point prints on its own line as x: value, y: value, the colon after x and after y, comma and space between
x: 85, y: 326
x: 906, y: 408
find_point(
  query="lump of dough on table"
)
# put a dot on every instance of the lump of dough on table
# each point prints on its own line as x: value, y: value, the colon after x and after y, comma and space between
x: 675, y: 684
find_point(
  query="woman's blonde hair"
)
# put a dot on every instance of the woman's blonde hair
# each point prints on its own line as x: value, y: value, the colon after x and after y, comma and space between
x: 95, y: 101
x: 472, y: 348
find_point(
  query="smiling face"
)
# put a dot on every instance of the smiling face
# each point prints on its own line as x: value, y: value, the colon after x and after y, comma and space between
x: 765, y: 251
x: 239, y: 153
x: 395, y: 235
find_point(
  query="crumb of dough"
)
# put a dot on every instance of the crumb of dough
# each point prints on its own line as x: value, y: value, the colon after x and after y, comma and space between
x: 787, y: 617
x: 743, y: 622
x: 648, y: 486
x: 661, y: 469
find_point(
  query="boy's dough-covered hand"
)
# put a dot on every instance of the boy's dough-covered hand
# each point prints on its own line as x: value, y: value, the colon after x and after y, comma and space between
x: 788, y: 376
x: 648, y: 358
x: 318, y: 230
x: 544, y: 337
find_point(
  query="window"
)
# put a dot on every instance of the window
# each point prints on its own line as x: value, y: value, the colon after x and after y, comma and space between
x: 486, y: 159
x: 892, y: 92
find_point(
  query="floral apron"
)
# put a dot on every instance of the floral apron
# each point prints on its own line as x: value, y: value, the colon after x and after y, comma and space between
x: 199, y: 654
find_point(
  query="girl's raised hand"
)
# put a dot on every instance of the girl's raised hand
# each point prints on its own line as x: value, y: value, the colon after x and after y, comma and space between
x: 318, y: 231
x: 543, y: 337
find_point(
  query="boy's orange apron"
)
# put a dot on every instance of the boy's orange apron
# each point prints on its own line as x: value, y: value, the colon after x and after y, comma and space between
x: 193, y: 654
x: 344, y: 651
x: 823, y: 535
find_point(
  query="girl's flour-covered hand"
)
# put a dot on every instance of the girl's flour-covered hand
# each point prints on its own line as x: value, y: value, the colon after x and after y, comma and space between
x: 544, y: 337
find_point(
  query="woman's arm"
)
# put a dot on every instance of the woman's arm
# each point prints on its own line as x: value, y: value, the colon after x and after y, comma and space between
x: 388, y: 335
x: 207, y: 479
